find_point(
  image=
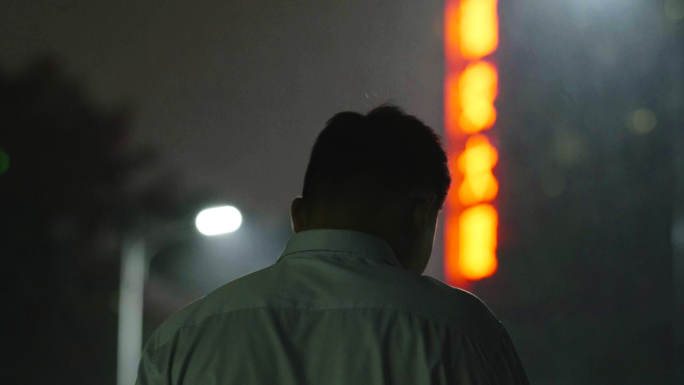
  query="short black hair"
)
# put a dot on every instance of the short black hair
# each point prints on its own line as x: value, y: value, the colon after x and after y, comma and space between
x: 374, y: 158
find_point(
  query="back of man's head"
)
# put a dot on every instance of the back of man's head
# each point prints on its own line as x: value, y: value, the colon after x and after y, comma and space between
x: 363, y: 162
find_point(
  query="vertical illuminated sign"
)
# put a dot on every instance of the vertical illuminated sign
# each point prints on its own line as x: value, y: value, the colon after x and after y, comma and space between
x: 471, y: 35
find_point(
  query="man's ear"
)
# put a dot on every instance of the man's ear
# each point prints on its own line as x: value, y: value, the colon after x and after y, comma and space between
x: 423, y: 209
x: 297, y: 214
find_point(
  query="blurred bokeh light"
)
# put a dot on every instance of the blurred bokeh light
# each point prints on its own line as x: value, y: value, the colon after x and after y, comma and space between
x: 218, y: 220
x: 477, y: 89
x: 478, y: 27
x: 477, y: 254
x: 476, y: 163
x: 643, y: 121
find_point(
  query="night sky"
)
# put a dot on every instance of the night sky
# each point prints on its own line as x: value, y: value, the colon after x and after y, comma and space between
x: 233, y: 94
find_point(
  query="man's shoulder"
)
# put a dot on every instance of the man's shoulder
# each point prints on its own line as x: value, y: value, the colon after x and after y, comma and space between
x: 420, y: 295
x: 454, y: 295
x: 219, y: 301
x: 460, y: 308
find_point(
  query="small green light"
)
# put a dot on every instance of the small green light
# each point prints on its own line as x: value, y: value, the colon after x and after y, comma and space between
x: 4, y: 161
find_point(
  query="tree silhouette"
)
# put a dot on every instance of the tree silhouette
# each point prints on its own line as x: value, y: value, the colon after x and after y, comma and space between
x: 64, y: 205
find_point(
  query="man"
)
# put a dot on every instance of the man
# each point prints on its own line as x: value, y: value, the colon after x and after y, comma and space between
x: 345, y: 303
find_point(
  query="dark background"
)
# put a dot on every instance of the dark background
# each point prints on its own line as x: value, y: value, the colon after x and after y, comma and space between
x: 113, y: 113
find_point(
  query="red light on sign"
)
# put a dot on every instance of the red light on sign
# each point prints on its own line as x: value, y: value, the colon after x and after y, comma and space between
x: 477, y: 88
x: 470, y: 88
x: 477, y: 242
x: 476, y: 163
x: 478, y: 28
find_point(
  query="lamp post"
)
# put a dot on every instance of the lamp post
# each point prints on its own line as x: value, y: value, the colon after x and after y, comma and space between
x: 134, y: 268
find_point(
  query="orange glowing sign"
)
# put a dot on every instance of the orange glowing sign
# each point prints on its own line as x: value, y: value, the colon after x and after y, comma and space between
x: 477, y: 88
x: 477, y: 242
x: 478, y: 28
x: 475, y: 164
x: 470, y: 90
x: 452, y: 34
x: 452, y: 104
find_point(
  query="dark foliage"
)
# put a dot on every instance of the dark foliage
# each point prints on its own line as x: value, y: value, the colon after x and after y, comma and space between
x: 64, y: 204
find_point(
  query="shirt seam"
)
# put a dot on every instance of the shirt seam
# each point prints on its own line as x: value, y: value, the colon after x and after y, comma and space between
x: 369, y: 256
x: 154, y: 353
x: 333, y: 250
x: 496, y: 344
x: 336, y: 308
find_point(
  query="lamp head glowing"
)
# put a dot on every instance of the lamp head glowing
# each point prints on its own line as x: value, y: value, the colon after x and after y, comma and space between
x: 218, y: 220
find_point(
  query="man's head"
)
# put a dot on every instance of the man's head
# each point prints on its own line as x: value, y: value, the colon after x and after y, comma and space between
x: 384, y: 173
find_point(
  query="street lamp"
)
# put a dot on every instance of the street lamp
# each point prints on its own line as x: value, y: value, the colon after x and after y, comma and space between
x: 134, y: 268
x: 218, y: 220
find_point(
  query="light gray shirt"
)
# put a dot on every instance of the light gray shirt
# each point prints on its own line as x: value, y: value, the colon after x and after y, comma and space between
x: 336, y: 308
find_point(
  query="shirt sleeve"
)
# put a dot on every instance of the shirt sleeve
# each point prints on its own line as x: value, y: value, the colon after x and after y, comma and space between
x: 507, y: 368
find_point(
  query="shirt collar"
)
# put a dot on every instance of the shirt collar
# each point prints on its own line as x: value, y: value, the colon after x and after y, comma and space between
x: 350, y: 241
